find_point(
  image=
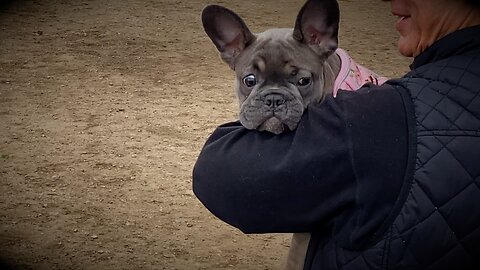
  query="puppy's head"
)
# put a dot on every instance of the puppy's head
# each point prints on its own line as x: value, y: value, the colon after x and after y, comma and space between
x: 279, y: 72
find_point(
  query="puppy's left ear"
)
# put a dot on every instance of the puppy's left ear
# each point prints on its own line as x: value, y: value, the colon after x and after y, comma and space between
x: 317, y: 26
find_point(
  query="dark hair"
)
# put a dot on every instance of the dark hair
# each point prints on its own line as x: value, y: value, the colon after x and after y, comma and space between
x: 475, y: 3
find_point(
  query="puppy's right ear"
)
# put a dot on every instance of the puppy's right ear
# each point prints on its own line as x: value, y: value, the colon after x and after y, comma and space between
x: 227, y: 31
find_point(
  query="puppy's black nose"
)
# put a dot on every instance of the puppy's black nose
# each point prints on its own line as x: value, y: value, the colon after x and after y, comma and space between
x: 274, y: 100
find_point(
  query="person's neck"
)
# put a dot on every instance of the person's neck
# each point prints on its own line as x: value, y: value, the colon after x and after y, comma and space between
x: 472, y: 19
x: 453, y: 20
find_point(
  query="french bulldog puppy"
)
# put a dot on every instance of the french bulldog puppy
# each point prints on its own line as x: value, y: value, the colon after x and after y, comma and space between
x: 280, y: 72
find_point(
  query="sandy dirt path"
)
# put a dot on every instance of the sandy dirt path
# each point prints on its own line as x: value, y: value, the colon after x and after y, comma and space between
x: 104, y: 106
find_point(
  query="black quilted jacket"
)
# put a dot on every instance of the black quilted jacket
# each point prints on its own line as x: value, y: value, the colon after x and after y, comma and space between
x: 438, y: 223
x: 384, y: 178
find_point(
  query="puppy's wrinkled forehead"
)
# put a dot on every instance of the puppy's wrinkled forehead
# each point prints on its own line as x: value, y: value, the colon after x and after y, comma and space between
x: 272, y: 63
x: 275, y: 51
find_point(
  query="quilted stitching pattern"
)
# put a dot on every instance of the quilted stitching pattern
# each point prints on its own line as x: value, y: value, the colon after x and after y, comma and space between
x: 449, y: 138
x: 440, y: 222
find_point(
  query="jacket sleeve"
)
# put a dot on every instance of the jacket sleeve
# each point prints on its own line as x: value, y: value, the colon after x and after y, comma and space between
x: 293, y: 182
x: 343, y: 167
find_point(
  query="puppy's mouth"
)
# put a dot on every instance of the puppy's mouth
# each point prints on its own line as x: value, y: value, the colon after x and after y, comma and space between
x: 270, y: 121
x: 274, y: 125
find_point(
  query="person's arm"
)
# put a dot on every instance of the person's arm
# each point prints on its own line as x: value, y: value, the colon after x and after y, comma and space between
x: 344, y: 164
x: 259, y: 182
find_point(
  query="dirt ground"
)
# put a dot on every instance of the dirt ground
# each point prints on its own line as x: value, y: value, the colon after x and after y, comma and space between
x: 104, y: 106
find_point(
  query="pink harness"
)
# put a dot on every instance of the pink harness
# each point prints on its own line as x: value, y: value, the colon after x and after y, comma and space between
x: 352, y: 76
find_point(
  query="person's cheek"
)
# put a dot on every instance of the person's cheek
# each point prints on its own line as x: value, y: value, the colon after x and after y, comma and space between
x: 410, y: 36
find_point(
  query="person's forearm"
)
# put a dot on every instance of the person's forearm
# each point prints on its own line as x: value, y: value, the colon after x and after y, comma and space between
x: 293, y: 182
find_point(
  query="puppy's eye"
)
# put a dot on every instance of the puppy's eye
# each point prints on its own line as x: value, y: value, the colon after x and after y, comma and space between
x: 304, y: 81
x: 250, y: 80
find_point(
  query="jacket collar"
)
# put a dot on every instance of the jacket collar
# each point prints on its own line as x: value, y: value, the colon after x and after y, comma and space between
x: 464, y: 41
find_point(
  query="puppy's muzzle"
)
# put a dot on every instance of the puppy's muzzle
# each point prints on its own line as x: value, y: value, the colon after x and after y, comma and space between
x: 273, y: 109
